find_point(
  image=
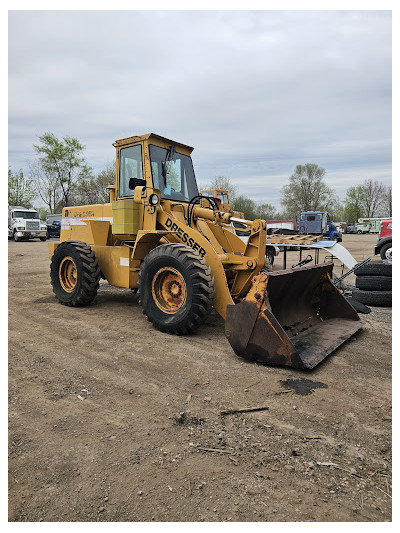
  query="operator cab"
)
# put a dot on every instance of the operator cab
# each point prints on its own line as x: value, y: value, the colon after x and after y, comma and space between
x: 155, y: 162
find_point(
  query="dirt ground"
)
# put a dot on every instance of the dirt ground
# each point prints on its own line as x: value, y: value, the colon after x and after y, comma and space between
x: 111, y: 420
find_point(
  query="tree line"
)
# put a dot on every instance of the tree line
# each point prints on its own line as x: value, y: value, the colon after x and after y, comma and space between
x: 60, y: 177
x: 307, y: 191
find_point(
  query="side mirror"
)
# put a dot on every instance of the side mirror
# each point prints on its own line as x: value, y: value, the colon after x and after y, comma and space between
x: 136, y: 182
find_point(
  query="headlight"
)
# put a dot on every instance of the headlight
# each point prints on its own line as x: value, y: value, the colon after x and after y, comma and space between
x: 153, y: 199
x: 19, y: 228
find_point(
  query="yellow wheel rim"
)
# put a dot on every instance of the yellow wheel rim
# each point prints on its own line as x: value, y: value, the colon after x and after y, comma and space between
x: 169, y: 290
x: 67, y: 274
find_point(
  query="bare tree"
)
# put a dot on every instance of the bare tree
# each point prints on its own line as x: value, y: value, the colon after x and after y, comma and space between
x: 222, y: 182
x: 47, y: 186
x: 387, y: 201
x: 374, y: 196
x: 93, y: 190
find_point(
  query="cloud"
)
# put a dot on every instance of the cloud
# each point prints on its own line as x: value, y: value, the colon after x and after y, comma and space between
x: 255, y: 92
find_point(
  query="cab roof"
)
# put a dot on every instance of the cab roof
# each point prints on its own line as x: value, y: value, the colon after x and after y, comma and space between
x: 150, y: 137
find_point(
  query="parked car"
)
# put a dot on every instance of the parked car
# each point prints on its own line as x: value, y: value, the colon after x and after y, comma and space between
x: 384, y: 244
x: 53, y: 226
x: 351, y: 228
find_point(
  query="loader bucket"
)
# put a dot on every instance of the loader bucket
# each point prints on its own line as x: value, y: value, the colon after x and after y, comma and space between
x: 293, y: 317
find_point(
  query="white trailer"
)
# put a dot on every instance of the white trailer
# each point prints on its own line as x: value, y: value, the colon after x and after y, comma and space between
x: 24, y: 223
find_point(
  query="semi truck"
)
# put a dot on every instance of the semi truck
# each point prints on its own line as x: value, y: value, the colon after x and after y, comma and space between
x: 317, y: 223
x: 24, y: 223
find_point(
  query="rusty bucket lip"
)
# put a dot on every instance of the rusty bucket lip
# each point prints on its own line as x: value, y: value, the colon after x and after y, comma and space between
x: 320, y: 266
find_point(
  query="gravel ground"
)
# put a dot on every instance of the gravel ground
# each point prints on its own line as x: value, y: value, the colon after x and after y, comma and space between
x: 111, y: 420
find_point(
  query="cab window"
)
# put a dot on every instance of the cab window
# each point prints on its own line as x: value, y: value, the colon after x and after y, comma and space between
x: 130, y: 167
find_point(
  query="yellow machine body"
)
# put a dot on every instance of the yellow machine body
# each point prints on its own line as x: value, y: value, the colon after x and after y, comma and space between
x: 145, y: 211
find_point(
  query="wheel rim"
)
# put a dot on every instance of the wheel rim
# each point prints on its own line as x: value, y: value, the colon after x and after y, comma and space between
x: 388, y: 254
x: 169, y: 290
x: 67, y: 274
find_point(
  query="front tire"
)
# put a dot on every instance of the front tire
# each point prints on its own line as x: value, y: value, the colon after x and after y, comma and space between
x: 176, y: 288
x: 386, y: 252
x: 16, y: 239
x: 74, y: 273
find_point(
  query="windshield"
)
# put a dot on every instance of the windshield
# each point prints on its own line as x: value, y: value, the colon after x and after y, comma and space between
x: 25, y: 214
x: 178, y: 182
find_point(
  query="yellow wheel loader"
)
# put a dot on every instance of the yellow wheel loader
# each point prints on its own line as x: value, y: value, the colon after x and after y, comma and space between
x: 158, y: 235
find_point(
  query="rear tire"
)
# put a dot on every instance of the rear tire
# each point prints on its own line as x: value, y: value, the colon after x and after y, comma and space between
x: 373, y: 298
x: 74, y: 273
x: 386, y: 252
x: 176, y: 288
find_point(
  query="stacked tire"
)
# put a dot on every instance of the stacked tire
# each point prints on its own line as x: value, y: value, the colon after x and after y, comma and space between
x: 374, y: 284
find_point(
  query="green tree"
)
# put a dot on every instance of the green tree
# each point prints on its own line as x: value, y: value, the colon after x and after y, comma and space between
x: 21, y: 191
x: 354, y: 203
x: 61, y: 160
x: 266, y: 212
x: 43, y: 212
x: 306, y: 190
x: 245, y: 205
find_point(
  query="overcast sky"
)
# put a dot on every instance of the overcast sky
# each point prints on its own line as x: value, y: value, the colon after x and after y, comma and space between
x: 255, y: 92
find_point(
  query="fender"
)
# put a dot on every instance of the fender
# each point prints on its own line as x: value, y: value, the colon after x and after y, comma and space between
x: 198, y: 242
x: 382, y: 242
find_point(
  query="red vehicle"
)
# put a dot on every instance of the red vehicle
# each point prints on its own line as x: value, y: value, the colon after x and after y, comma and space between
x: 384, y: 244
